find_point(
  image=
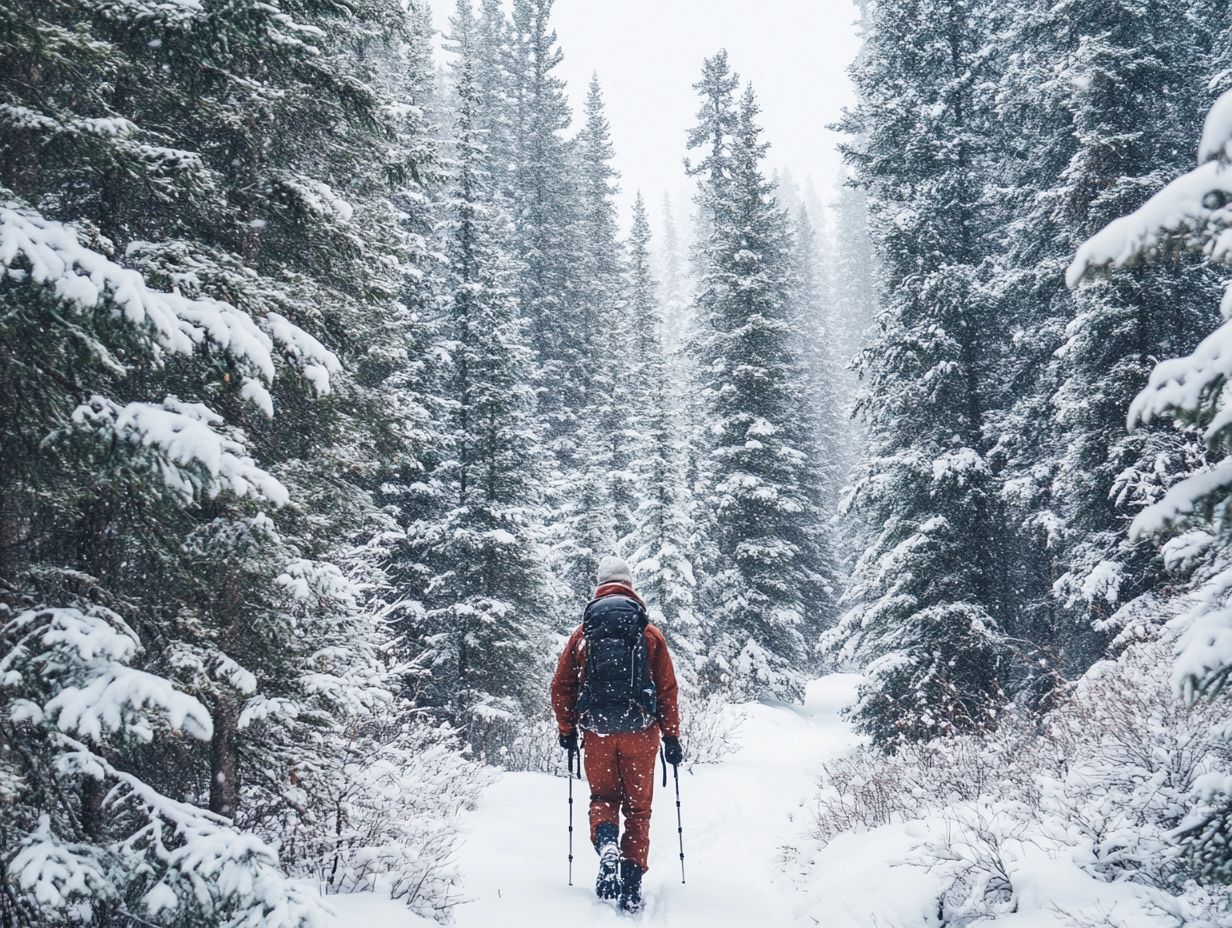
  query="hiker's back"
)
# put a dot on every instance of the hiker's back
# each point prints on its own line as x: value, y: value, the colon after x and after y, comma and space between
x: 618, y: 692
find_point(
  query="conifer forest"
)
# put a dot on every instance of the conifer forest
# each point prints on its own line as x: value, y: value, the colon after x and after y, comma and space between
x: 336, y: 353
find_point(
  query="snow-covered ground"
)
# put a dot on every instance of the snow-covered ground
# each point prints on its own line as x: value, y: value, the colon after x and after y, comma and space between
x: 753, y: 862
x: 369, y: 910
x: 737, y: 815
x: 750, y: 858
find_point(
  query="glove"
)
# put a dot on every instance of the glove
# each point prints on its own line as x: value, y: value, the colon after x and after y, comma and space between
x: 569, y: 742
x: 673, y: 753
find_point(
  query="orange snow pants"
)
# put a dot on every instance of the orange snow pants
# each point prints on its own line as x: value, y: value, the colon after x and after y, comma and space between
x: 621, y: 770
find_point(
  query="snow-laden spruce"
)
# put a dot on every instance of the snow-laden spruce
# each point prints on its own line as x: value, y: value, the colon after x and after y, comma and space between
x: 660, y: 542
x: 192, y: 602
x: 485, y: 590
x: 927, y: 604
x: 1191, y: 213
x: 766, y: 594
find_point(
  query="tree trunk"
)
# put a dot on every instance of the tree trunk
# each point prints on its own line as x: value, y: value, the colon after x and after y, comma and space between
x: 92, y: 818
x: 224, y: 758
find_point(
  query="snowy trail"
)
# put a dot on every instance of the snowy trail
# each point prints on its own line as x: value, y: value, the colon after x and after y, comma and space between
x: 737, y: 814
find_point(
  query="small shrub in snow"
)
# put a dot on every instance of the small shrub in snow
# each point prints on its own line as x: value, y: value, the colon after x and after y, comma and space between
x: 379, y: 816
x: 709, y: 728
x: 972, y: 854
x: 1104, y: 783
x: 1127, y: 755
x: 513, y: 741
x: 868, y: 788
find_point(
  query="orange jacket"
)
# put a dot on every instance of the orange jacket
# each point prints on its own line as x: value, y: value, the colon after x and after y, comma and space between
x: 571, y: 669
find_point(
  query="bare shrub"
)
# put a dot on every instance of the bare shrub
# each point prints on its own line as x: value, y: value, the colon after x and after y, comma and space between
x: 533, y: 744
x: 1132, y: 755
x: 869, y: 788
x: 384, y: 819
x: 709, y: 729
x: 1106, y: 777
x: 971, y: 855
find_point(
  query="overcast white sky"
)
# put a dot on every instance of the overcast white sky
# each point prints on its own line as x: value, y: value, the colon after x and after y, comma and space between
x: 648, y: 54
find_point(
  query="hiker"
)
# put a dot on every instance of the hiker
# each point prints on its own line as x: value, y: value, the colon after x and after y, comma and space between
x: 615, y: 682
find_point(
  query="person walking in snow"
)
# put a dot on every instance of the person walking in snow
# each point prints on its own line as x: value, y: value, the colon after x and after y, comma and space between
x: 616, y: 684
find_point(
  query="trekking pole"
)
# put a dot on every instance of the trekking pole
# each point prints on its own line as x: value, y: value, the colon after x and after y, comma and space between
x: 571, y: 818
x: 679, y: 826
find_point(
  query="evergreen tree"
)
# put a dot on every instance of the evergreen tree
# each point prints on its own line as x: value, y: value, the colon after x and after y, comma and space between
x: 926, y: 598
x: 660, y: 543
x: 487, y: 596
x: 1071, y: 85
x: 1115, y: 328
x: 493, y: 80
x: 852, y: 273
x: 611, y: 391
x: 821, y: 414
x: 853, y: 277
x: 751, y: 377
x: 1189, y: 214
x: 402, y: 362
x: 598, y: 490
x: 543, y: 203
x: 711, y: 138
x: 185, y: 560
x: 676, y: 303
x: 819, y: 432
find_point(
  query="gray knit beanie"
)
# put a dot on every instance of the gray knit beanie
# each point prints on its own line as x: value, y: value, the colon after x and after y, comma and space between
x: 613, y: 569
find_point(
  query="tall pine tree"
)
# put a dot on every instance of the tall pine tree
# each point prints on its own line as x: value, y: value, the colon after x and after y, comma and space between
x: 598, y: 493
x: 185, y: 556
x: 763, y: 581
x: 542, y: 192
x: 660, y: 544
x: 487, y: 596
x: 926, y: 600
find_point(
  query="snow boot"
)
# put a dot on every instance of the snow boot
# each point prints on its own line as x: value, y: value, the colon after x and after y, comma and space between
x: 630, y: 886
x: 607, y: 883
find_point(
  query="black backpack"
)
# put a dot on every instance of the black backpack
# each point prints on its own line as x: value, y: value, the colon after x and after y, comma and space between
x: 618, y: 694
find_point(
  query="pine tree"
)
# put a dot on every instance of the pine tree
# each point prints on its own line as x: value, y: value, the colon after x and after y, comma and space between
x: 676, y: 303
x: 926, y: 596
x: 543, y: 203
x: 852, y: 273
x: 1189, y: 214
x: 821, y: 415
x: 820, y: 432
x: 403, y: 364
x: 853, y: 276
x: 611, y: 391
x: 487, y: 596
x: 493, y: 80
x: 598, y: 490
x: 1114, y: 329
x: 711, y: 138
x: 189, y: 562
x: 751, y: 378
x: 660, y: 545
x: 126, y: 402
